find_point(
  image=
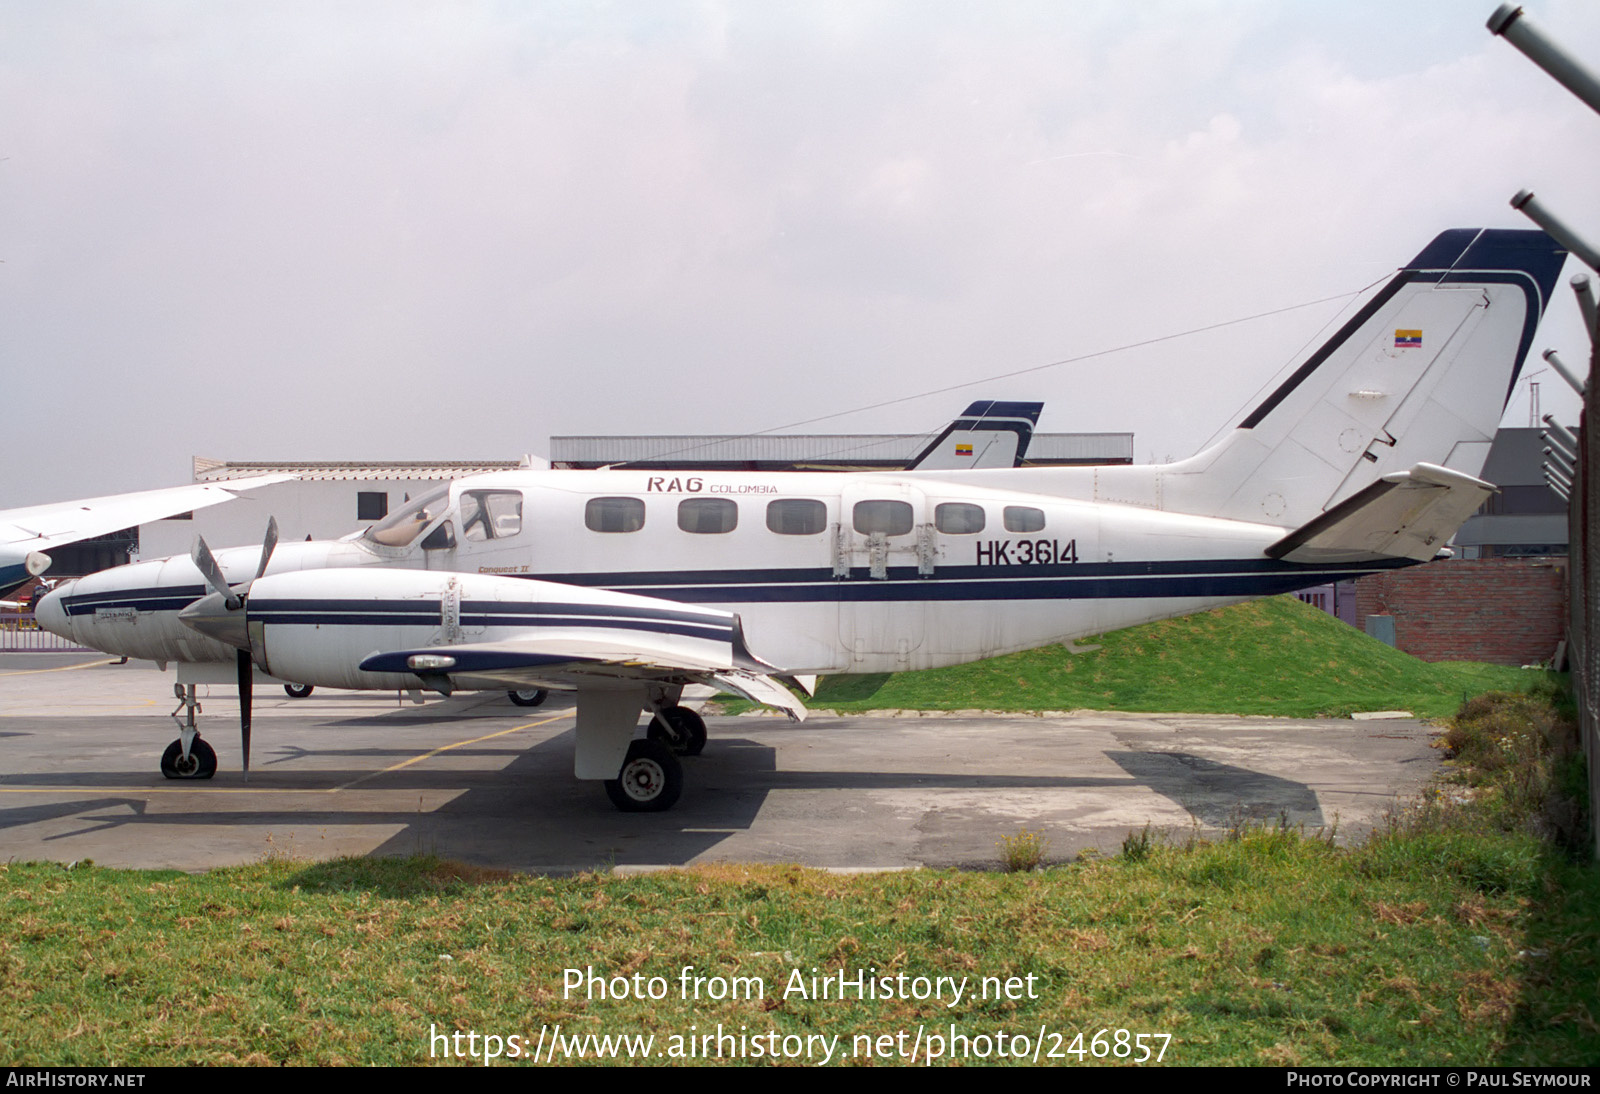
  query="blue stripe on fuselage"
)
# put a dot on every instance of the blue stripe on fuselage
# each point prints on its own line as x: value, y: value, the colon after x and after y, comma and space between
x: 1064, y: 581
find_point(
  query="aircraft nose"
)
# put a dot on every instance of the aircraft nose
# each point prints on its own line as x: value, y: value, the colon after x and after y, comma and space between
x: 211, y: 616
x: 51, y: 612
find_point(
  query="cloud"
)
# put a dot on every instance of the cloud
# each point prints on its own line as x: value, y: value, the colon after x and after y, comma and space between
x: 451, y: 230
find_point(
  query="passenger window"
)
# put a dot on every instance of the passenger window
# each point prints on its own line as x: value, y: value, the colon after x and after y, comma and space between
x: 892, y: 518
x: 491, y: 514
x: 797, y: 517
x: 707, y: 516
x: 614, y: 514
x: 957, y: 518
x: 1024, y: 518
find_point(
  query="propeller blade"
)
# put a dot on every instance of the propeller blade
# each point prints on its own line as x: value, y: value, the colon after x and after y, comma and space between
x: 268, y: 545
x: 207, y: 564
x: 246, y: 687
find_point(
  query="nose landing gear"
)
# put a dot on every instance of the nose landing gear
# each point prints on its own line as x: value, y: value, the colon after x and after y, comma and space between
x: 188, y: 757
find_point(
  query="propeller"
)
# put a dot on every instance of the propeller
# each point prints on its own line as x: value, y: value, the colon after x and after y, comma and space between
x: 229, y: 623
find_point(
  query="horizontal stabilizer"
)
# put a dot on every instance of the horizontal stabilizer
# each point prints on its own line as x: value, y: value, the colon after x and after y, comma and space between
x: 1406, y: 514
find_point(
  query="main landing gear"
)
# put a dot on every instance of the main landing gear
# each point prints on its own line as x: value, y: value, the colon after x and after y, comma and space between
x: 188, y: 757
x: 298, y: 691
x: 651, y: 778
x: 680, y: 729
x: 530, y: 697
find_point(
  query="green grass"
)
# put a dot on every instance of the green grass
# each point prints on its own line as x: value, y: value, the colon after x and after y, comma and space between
x: 1265, y: 948
x: 1276, y: 656
x: 1463, y: 933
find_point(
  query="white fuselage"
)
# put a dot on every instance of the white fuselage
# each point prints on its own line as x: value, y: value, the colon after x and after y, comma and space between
x: 830, y: 573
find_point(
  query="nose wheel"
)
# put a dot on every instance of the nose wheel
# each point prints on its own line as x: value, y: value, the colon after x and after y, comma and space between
x: 200, y: 763
x: 188, y: 757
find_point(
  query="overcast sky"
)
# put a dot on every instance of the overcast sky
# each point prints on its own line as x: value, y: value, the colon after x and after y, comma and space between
x: 405, y: 230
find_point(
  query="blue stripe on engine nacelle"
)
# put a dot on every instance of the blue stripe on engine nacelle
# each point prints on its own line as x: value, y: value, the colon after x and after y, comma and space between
x: 467, y: 661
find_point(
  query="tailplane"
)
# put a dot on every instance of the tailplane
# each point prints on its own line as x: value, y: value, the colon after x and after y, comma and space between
x: 1409, y: 514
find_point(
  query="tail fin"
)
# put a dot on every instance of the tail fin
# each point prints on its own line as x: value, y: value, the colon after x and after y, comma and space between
x: 1420, y: 375
x: 988, y: 434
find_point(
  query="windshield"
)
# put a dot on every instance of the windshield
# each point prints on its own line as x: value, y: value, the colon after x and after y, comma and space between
x: 404, y: 525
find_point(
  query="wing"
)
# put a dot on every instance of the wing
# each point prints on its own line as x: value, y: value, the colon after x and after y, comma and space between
x: 1407, y: 514
x: 575, y: 659
x: 621, y: 653
x: 27, y: 531
x: 456, y: 631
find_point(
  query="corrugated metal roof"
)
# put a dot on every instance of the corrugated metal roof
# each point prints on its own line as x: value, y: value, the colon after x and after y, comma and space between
x: 1117, y: 447
x: 209, y: 470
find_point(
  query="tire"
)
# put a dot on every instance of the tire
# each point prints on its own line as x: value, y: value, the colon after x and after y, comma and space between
x: 202, y: 763
x: 298, y: 691
x: 694, y: 728
x: 684, y: 732
x: 649, y: 780
x: 530, y: 697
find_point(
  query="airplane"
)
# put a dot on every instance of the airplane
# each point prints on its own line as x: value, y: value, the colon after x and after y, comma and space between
x: 26, y: 533
x: 626, y: 586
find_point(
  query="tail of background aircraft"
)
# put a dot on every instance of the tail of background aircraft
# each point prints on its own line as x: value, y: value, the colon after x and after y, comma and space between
x: 988, y: 434
x: 1420, y: 375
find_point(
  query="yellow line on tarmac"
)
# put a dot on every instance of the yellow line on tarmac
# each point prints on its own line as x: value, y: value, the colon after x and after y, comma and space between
x: 199, y: 787
x: 403, y: 764
x: 63, y: 668
x: 141, y: 791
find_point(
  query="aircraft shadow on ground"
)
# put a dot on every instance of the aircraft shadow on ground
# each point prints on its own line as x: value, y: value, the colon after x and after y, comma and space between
x: 48, y: 811
x: 530, y: 814
x: 1220, y: 795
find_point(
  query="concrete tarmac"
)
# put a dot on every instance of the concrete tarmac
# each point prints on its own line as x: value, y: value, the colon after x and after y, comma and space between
x: 476, y: 779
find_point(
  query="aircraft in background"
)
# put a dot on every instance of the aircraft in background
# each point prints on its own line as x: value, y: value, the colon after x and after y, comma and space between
x: 628, y: 585
x: 26, y: 533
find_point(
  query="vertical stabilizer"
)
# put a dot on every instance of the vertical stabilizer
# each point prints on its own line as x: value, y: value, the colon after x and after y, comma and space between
x: 988, y: 434
x: 1420, y: 374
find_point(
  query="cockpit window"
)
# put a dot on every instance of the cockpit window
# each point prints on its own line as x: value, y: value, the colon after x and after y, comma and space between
x: 491, y: 514
x: 405, y: 524
x: 441, y: 538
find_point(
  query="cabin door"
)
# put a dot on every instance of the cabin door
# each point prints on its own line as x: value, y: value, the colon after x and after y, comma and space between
x: 884, y: 565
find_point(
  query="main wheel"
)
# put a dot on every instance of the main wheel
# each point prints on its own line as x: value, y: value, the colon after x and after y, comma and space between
x: 694, y: 728
x: 298, y: 691
x: 530, y: 697
x: 201, y: 764
x: 685, y: 732
x: 649, y: 781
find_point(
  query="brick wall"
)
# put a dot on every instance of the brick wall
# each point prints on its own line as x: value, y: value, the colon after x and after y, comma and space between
x: 1508, y: 611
